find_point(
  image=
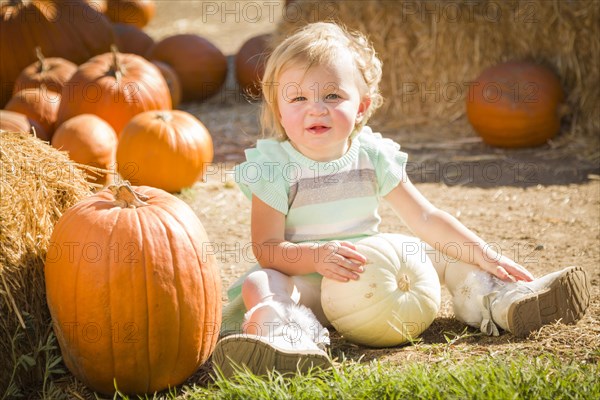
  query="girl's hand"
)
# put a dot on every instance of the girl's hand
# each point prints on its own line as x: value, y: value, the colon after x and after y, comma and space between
x: 339, y: 260
x: 505, y: 269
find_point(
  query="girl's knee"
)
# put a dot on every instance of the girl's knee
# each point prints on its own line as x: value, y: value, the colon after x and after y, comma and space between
x: 263, y: 277
x: 265, y: 283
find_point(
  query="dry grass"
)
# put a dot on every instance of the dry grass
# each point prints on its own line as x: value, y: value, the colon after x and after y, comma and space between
x: 37, y: 184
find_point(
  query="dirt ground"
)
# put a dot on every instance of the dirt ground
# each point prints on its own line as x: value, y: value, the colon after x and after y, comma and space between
x: 540, y: 206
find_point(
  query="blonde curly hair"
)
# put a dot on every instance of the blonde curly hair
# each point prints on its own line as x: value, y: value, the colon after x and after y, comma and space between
x: 319, y: 44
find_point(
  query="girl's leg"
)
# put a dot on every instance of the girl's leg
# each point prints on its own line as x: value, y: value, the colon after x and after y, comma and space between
x: 280, y: 332
x: 466, y: 283
x: 261, y: 291
x: 451, y: 273
x: 265, y: 292
x: 483, y: 301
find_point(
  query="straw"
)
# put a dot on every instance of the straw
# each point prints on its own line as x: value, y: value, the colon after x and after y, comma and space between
x: 37, y: 184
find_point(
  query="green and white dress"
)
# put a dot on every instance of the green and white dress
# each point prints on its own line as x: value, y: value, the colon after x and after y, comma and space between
x: 321, y: 201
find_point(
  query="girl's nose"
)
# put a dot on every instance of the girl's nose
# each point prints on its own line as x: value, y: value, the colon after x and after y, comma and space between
x: 318, y: 108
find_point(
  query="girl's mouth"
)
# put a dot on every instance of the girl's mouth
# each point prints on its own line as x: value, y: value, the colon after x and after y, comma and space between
x: 318, y: 129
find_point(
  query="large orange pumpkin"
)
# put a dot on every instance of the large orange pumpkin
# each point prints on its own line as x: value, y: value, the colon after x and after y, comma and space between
x: 134, y: 297
x: 165, y: 149
x: 17, y: 122
x: 39, y: 104
x: 133, y: 12
x: 68, y: 29
x: 89, y: 140
x: 516, y: 104
x: 115, y: 87
x: 51, y: 72
x: 200, y: 65
x: 250, y: 64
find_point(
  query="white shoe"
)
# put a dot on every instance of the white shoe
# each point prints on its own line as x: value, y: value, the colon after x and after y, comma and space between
x: 285, y: 337
x: 261, y: 354
x: 524, y: 307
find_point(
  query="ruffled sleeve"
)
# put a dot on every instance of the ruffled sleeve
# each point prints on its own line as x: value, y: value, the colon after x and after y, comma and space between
x: 261, y: 174
x: 388, y: 160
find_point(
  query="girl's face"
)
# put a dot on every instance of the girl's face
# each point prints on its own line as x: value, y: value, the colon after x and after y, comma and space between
x: 319, y: 107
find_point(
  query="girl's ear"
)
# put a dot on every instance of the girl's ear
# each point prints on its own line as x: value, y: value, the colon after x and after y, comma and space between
x: 362, y: 108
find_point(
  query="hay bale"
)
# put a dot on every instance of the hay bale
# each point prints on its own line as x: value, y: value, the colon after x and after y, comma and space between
x: 433, y: 50
x: 37, y: 183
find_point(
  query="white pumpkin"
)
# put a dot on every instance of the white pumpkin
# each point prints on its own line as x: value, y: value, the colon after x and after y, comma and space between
x: 395, y: 299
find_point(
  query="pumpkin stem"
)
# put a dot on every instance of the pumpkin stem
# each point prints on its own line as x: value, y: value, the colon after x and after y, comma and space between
x: 404, y: 283
x: 40, y: 56
x: 126, y: 197
x: 164, y: 116
x: 117, y: 68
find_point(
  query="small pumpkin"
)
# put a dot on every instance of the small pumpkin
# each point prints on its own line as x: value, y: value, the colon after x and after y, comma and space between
x: 53, y: 72
x: 115, y: 87
x: 17, y: 122
x: 89, y: 140
x: 516, y: 104
x: 395, y: 299
x: 250, y: 64
x: 200, y: 65
x: 39, y: 104
x: 133, y: 12
x: 131, y: 39
x: 165, y: 149
x: 135, y: 299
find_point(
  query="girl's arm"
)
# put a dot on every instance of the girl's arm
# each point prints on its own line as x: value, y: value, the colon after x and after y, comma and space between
x: 438, y: 228
x: 336, y: 260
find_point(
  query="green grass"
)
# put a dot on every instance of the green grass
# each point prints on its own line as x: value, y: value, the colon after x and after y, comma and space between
x: 510, y: 376
x: 521, y: 377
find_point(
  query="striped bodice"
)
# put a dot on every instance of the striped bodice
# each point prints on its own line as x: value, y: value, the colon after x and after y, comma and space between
x: 324, y: 200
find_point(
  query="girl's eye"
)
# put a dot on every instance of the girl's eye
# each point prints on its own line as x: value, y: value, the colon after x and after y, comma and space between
x: 332, y: 96
x: 297, y: 99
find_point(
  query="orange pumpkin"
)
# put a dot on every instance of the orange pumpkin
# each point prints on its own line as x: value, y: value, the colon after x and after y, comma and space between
x: 133, y: 12
x: 52, y: 72
x: 516, y: 104
x: 68, y: 29
x: 17, y: 122
x: 39, y: 104
x: 98, y: 5
x: 115, y: 87
x: 172, y: 81
x: 165, y: 149
x: 89, y: 140
x: 200, y: 66
x: 134, y: 297
x: 250, y: 64
x: 131, y: 39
